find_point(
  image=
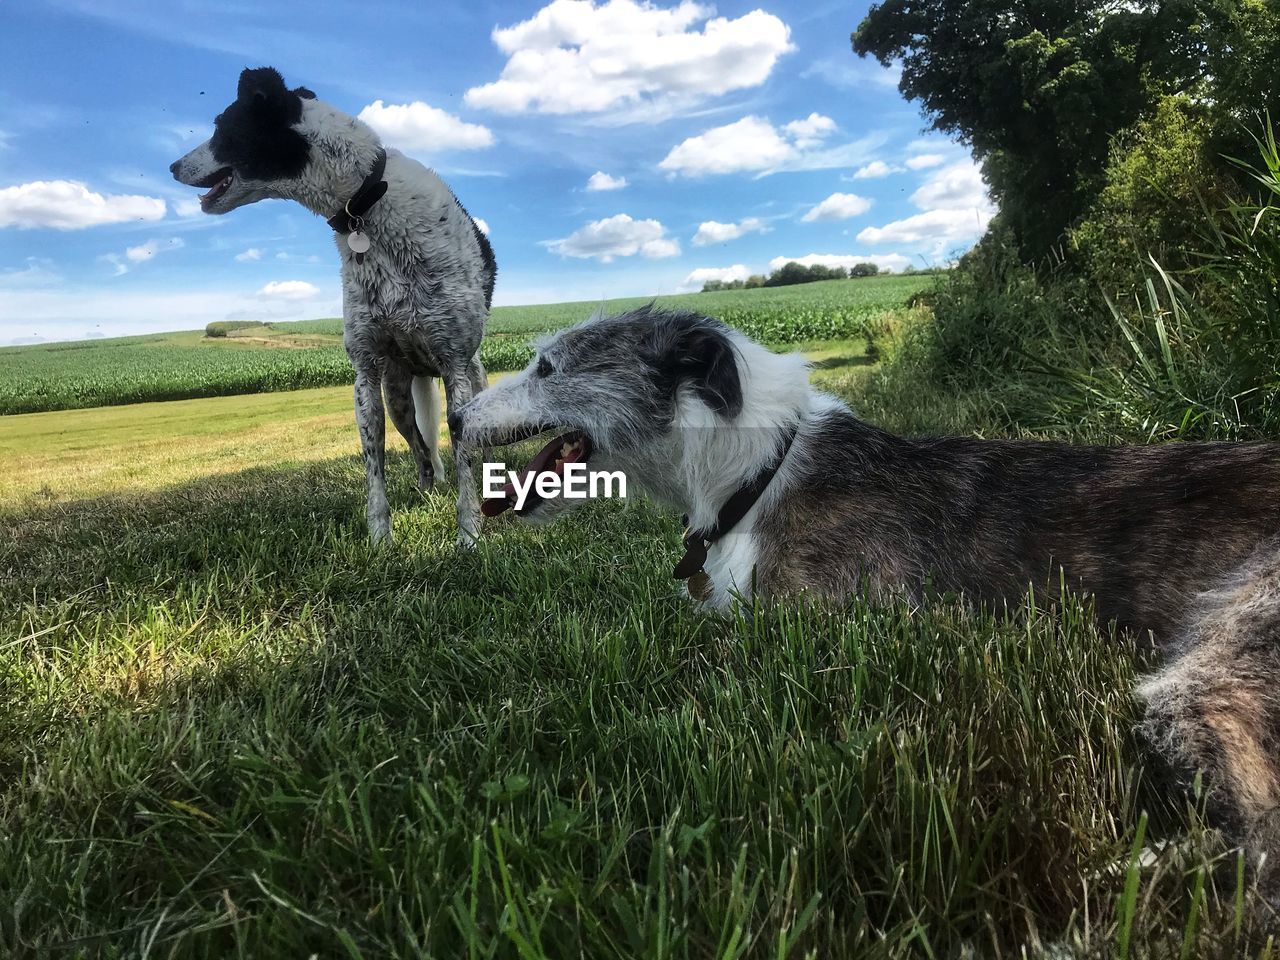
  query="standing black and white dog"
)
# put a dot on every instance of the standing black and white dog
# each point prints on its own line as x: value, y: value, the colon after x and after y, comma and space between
x: 417, y: 273
x: 788, y: 493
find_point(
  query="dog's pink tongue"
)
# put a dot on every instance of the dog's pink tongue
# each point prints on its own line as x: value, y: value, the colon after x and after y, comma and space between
x: 494, y: 506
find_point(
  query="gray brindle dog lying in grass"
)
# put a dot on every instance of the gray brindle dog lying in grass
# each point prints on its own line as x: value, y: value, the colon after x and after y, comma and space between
x: 789, y: 493
x: 417, y: 273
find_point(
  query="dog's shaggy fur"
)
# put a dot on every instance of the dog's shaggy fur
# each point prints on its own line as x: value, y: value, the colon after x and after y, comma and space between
x: 1178, y: 542
x: 413, y: 310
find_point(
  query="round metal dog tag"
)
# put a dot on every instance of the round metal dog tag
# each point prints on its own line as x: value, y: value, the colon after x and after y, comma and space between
x: 700, y: 587
x: 358, y: 242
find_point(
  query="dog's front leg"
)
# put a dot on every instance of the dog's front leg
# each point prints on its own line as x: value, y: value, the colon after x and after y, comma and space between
x: 371, y: 419
x: 457, y: 391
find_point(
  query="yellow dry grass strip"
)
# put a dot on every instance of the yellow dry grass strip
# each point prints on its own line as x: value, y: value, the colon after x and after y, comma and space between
x: 70, y: 454
x: 66, y: 455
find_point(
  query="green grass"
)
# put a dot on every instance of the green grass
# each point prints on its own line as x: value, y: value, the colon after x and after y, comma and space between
x: 231, y: 728
x: 304, y: 354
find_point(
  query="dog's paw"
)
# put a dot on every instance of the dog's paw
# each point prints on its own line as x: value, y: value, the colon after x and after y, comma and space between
x: 380, y: 533
x: 468, y: 531
x: 431, y: 477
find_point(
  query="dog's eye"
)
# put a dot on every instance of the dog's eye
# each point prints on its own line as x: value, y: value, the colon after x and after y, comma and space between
x: 544, y: 367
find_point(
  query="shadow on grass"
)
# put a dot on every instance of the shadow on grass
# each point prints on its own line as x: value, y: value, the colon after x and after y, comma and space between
x: 230, y: 726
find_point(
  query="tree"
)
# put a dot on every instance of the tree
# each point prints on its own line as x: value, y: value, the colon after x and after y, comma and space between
x: 788, y: 274
x: 754, y: 281
x: 863, y: 270
x: 1037, y: 88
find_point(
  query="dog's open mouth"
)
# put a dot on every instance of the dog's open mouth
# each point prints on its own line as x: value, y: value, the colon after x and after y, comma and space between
x: 572, y: 447
x: 218, y: 182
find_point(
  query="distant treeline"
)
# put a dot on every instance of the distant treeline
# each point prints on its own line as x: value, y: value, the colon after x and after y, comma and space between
x: 224, y: 328
x: 793, y: 273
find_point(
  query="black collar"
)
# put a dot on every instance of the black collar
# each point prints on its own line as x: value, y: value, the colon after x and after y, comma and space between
x: 698, y: 542
x: 362, y: 200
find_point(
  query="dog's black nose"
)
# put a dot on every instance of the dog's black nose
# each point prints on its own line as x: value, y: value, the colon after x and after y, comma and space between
x: 173, y: 168
x: 455, y: 423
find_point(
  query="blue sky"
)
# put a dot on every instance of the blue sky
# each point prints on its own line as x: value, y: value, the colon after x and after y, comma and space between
x: 611, y: 149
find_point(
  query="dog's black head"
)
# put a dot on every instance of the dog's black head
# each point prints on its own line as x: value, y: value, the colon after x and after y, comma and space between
x: 255, y: 135
x: 256, y: 142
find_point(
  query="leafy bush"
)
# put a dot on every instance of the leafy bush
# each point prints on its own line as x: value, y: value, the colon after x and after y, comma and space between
x: 1203, y: 360
x: 1189, y: 354
x: 1159, y: 183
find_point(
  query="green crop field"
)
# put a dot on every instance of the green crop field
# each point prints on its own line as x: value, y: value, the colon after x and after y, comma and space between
x: 137, y: 369
x: 292, y: 356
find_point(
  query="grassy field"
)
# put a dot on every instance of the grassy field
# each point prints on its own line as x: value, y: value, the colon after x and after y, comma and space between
x: 231, y: 728
x: 291, y: 356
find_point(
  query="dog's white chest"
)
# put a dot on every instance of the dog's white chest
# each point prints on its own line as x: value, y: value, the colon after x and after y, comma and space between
x: 730, y: 564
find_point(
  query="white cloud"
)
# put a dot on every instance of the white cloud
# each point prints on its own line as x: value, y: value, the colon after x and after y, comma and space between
x: 934, y: 226
x: 926, y: 160
x: 288, y: 290
x: 958, y: 187
x: 956, y: 208
x: 754, y: 145
x: 660, y: 248
x: 838, y: 206
x: 697, y: 278
x: 39, y: 272
x: 848, y: 73
x: 187, y: 208
x: 602, y: 181
x: 419, y: 127
x: 482, y: 224
x: 141, y: 254
x: 617, y: 236
x: 810, y: 131
x: 146, y: 251
x: 874, y: 171
x: 70, y: 205
x: 929, y: 145
x: 253, y: 253
x: 751, y: 143
x: 573, y: 56
x: 885, y: 261
x: 713, y: 231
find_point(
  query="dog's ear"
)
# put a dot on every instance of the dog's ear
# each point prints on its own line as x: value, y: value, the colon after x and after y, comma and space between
x: 268, y: 102
x: 708, y: 362
x: 261, y: 84
x: 304, y: 93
